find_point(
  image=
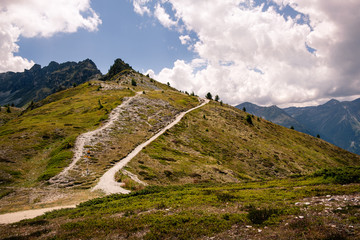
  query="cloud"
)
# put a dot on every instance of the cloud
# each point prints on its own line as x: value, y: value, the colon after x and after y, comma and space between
x: 184, y: 39
x: 140, y: 7
x: 163, y: 17
x: 39, y: 18
x: 257, y: 53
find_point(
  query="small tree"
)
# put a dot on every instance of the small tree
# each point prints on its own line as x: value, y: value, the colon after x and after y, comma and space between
x: 133, y: 82
x: 318, y: 136
x: 292, y: 127
x: 8, y: 109
x: 217, y: 98
x: 168, y: 84
x: 209, y: 96
x: 244, y: 109
x: 249, y: 119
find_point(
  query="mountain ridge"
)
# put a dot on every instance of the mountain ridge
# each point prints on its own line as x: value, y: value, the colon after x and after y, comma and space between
x: 334, y: 121
x: 37, y: 83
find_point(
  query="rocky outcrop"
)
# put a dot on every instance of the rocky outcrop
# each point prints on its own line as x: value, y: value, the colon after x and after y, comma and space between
x: 37, y: 83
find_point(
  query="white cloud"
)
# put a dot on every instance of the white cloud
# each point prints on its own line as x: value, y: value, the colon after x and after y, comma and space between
x: 163, y: 17
x: 184, y: 39
x: 140, y: 7
x: 39, y: 18
x: 259, y: 56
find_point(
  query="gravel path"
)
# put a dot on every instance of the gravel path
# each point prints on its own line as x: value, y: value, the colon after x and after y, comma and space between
x: 18, y: 216
x: 107, y: 182
x: 85, y: 139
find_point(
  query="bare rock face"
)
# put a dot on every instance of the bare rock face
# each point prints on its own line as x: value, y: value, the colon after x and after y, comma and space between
x: 37, y: 83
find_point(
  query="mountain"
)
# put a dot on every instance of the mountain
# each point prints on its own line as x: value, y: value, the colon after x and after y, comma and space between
x: 275, y: 115
x: 216, y: 143
x: 336, y: 122
x: 217, y: 172
x: 37, y: 83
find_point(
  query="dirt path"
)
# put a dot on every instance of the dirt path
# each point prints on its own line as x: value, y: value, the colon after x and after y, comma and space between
x: 85, y: 138
x: 107, y: 182
x: 18, y: 216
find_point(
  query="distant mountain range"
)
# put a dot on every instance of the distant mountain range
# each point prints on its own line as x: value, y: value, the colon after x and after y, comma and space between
x: 336, y: 122
x: 37, y: 83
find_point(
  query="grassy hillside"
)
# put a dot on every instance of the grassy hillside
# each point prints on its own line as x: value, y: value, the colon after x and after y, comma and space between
x: 38, y: 144
x: 219, y: 143
x: 40, y: 140
x: 6, y: 115
x: 218, y: 173
x: 303, y: 208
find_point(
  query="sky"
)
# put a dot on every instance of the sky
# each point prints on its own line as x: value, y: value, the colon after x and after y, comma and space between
x: 269, y: 52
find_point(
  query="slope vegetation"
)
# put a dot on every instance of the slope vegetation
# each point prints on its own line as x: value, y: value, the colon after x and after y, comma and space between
x: 38, y: 145
x: 219, y: 143
x: 304, y: 208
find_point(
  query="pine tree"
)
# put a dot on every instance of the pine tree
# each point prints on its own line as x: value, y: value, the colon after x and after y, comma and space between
x: 217, y: 98
x: 209, y: 96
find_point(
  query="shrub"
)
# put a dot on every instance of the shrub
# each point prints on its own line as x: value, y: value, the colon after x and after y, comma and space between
x: 341, y: 175
x: 259, y: 216
x: 133, y: 83
x: 249, y: 119
x: 225, y: 197
x: 209, y: 96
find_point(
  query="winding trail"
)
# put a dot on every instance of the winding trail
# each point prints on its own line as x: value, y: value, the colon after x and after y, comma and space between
x: 107, y: 182
x: 27, y: 214
x: 85, y: 138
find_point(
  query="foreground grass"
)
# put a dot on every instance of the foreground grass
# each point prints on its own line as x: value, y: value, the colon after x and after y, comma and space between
x: 263, y: 210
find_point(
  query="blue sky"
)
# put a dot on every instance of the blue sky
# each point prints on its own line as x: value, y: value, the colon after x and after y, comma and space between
x: 283, y: 52
x: 141, y: 41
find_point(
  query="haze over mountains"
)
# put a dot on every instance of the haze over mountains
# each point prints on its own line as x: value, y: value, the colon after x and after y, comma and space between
x: 37, y: 83
x: 336, y: 122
